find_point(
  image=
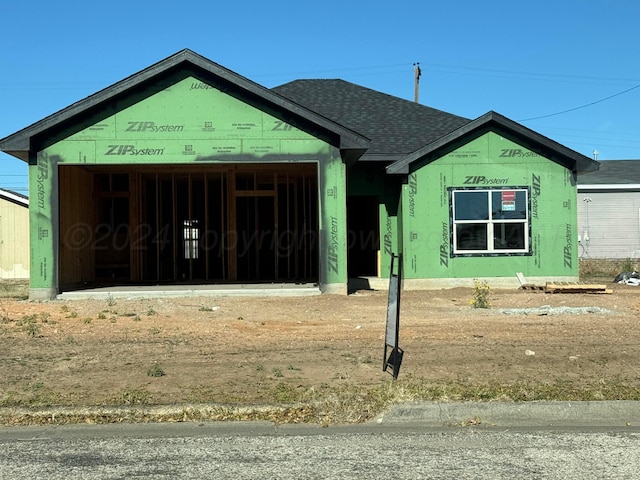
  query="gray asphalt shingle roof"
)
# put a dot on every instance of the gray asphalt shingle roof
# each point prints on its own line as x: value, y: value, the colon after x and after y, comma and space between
x: 395, y: 126
x: 402, y: 131
x: 613, y: 172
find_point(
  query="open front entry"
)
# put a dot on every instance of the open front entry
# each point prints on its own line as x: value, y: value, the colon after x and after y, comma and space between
x: 249, y: 223
x: 364, y: 235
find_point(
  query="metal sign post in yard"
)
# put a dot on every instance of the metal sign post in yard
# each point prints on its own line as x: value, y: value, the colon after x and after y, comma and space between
x: 393, y: 359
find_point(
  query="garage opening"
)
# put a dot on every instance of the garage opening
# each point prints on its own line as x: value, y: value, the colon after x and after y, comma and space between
x: 249, y: 223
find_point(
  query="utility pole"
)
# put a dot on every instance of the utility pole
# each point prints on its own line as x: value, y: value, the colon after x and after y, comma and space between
x: 416, y: 81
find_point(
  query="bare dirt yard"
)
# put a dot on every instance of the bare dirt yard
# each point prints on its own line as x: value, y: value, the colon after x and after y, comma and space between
x: 323, y: 352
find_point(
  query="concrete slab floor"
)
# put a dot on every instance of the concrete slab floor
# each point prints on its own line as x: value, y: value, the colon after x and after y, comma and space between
x: 158, y: 291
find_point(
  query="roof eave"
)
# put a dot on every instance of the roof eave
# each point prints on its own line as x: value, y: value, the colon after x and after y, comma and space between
x: 18, y: 144
x: 19, y: 154
x: 20, y: 140
x: 14, y: 198
x: 580, y: 164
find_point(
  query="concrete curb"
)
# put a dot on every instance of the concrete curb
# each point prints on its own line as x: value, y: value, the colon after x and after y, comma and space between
x: 617, y: 413
x: 426, y: 414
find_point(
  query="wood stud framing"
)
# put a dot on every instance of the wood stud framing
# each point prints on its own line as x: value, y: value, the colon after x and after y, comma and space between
x: 277, y: 231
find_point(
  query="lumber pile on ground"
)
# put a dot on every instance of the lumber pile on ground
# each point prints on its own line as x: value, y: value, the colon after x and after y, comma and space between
x: 562, y: 287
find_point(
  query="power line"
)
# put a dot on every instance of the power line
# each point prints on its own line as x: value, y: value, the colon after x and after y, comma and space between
x: 532, y: 74
x: 581, y: 106
x: 353, y: 71
x: 361, y: 70
x: 373, y: 67
x: 378, y: 69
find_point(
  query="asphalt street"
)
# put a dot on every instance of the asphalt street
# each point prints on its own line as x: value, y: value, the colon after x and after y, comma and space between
x: 407, y: 449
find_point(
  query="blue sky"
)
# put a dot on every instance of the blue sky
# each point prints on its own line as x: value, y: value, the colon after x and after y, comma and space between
x: 522, y: 59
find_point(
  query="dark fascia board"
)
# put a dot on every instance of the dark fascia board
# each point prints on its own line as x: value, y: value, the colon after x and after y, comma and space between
x: 382, y: 157
x: 492, y: 121
x: 19, y: 144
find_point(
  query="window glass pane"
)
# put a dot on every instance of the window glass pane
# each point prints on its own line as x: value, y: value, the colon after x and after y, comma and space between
x: 508, y: 236
x: 509, y: 204
x: 471, y: 205
x: 471, y: 236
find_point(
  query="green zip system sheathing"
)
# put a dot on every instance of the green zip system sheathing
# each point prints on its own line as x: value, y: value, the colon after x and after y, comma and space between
x: 177, y: 164
x: 493, y: 163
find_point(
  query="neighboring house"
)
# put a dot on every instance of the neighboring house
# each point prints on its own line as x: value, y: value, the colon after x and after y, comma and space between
x: 609, y: 211
x: 187, y: 172
x: 14, y: 235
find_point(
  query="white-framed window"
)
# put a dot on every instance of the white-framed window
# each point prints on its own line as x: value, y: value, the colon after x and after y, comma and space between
x: 488, y: 221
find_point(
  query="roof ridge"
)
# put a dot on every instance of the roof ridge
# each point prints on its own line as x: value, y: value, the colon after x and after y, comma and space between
x: 372, y: 90
x: 397, y: 126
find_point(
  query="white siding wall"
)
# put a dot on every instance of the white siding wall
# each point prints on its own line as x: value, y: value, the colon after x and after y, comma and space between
x: 611, y: 220
x: 14, y: 240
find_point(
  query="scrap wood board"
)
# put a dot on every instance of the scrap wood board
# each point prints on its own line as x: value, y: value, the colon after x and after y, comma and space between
x: 569, y: 287
x: 527, y: 286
